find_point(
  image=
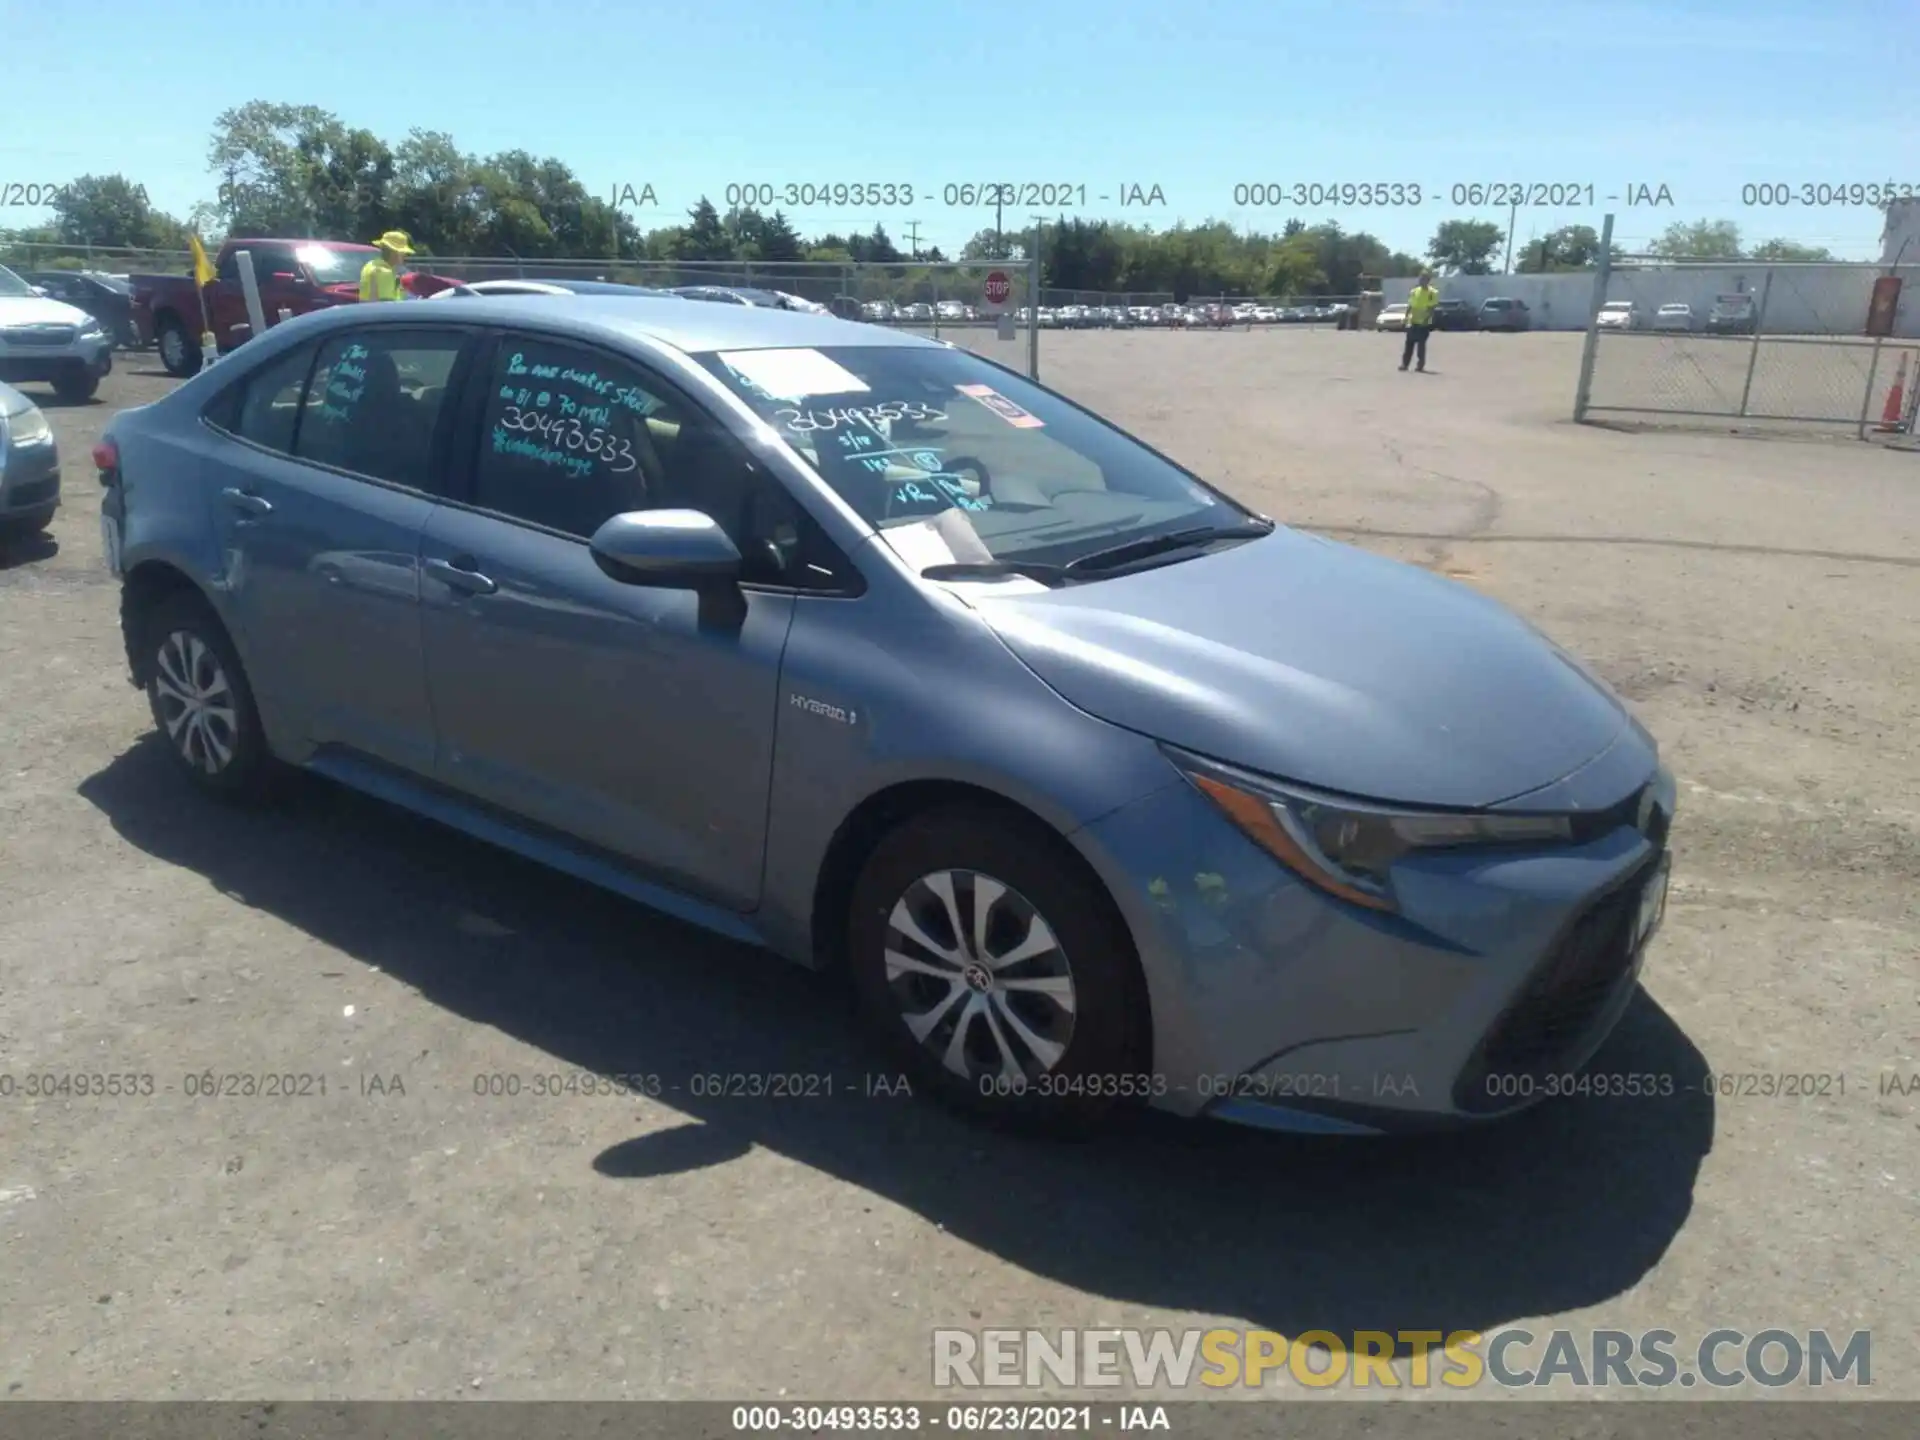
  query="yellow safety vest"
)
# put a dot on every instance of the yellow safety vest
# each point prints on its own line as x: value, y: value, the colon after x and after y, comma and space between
x: 378, y: 282
x: 1420, y: 304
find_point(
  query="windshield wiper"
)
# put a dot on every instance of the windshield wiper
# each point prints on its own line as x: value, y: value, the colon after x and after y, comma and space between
x: 998, y: 570
x: 1127, y: 552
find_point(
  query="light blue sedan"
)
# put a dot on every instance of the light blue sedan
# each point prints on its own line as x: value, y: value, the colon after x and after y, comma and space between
x: 1103, y: 788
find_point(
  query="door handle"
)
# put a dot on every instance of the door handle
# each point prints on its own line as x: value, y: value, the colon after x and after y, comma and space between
x: 247, y: 502
x: 461, y: 574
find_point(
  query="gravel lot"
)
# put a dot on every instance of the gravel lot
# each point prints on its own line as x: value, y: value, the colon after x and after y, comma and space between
x: 413, y: 1238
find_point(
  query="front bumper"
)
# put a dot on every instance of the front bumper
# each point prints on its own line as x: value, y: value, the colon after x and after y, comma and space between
x: 1277, y: 1005
x: 29, y: 480
x: 32, y: 358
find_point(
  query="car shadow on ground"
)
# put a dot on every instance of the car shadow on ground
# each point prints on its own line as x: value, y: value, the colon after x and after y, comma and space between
x: 1563, y: 1208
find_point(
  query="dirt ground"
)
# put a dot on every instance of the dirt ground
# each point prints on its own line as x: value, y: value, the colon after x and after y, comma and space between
x: 412, y: 1234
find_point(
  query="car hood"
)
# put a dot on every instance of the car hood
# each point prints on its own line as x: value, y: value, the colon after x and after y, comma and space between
x: 1318, y: 663
x: 38, y: 310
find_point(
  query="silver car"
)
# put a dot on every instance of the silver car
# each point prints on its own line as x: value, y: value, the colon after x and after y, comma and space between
x: 1100, y: 787
x: 50, y: 341
x: 29, y: 467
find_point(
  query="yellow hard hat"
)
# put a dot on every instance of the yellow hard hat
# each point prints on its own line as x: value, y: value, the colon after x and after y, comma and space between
x: 397, y: 240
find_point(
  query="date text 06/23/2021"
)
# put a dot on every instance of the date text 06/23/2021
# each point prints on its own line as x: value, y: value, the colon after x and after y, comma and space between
x: 868, y: 194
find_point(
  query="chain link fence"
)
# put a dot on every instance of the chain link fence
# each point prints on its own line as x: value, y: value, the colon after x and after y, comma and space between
x: 24, y: 255
x: 1681, y: 342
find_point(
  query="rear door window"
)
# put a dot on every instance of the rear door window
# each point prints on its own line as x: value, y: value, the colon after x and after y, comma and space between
x: 270, y: 400
x: 374, y: 403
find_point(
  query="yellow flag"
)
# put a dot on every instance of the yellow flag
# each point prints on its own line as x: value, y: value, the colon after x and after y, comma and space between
x: 202, y: 266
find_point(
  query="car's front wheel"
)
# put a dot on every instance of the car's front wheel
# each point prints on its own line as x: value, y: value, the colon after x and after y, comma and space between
x: 201, y: 702
x: 994, y: 968
x: 76, y: 385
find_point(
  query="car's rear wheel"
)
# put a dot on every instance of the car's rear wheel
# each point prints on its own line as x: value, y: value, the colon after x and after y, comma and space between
x: 995, y: 970
x: 201, y: 702
x: 179, y: 351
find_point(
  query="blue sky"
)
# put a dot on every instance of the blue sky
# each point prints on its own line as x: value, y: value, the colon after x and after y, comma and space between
x: 1196, y: 97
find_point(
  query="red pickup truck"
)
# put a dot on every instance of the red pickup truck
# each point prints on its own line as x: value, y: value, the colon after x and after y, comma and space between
x: 293, y: 275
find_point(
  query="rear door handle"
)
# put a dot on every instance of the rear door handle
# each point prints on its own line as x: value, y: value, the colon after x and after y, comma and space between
x: 462, y: 573
x: 247, y: 502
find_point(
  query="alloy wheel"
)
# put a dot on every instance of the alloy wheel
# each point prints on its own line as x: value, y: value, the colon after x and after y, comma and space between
x: 979, y: 977
x: 196, y: 702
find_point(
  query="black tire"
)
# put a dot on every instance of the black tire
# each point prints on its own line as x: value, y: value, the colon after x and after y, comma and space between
x: 22, y: 527
x: 179, y: 351
x: 181, y: 637
x: 76, y: 386
x: 1101, y: 1038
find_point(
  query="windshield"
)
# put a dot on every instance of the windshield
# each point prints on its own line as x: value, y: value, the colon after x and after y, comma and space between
x: 333, y: 267
x: 12, y: 284
x: 921, y: 440
x: 1618, y: 305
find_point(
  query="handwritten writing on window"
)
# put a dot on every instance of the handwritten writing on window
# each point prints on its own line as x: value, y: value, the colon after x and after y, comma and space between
x: 567, y: 418
x: 807, y: 422
x: 346, y: 383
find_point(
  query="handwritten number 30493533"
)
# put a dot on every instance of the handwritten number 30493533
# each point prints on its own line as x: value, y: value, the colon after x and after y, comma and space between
x: 565, y: 432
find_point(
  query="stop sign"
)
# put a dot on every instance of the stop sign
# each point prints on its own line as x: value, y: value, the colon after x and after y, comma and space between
x: 999, y: 288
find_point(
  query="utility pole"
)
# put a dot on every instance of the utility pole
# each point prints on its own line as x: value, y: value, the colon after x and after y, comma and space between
x: 1513, y: 214
x: 999, y: 230
x: 913, y: 237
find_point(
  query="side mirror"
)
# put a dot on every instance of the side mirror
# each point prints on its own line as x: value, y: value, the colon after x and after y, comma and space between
x: 666, y: 549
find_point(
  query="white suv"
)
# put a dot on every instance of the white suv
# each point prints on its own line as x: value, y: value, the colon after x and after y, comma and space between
x: 50, y: 341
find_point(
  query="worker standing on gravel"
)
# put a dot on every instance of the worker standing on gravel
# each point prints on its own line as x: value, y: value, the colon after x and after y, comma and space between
x: 1420, y: 303
x: 380, y: 276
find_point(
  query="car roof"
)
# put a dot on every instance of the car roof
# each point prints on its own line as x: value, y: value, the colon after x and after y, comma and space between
x: 692, y: 326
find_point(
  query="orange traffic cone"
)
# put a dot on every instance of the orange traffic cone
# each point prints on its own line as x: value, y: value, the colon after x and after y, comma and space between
x: 1894, y: 411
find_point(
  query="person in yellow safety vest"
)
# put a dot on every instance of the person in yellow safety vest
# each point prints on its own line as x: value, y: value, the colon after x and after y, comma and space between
x: 1420, y: 302
x: 380, y: 276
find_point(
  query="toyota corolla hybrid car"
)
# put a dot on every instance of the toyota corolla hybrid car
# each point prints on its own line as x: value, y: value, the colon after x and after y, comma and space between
x: 1100, y: 786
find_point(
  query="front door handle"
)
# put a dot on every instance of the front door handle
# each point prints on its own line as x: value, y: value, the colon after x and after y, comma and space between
x: 247, y: 502
x: 462, y: 573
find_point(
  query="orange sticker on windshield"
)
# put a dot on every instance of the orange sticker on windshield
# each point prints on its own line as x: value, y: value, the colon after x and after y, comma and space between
x: 1002, y: 406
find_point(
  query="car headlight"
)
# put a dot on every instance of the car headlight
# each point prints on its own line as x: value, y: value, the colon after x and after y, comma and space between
x: 1346, y: 847
x: 25, y: 427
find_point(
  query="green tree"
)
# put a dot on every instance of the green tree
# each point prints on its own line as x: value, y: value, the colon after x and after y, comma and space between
x: 345, y: 176
x: 704, y: 236
x: 1699, y: 240
x: 1790, y: 251
x: 1571, y: 247
x: 1465, y: 247
x: 258, y: 152
x: 991, y: 244
x: 109, y: 210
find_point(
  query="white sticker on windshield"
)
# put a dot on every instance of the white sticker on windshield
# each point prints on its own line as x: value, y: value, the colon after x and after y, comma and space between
x: 793, y: 374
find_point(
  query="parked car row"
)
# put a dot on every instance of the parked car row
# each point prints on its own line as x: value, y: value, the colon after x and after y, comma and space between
x: 716, y: 294
x: 1733, y: 314
x: 1497, y: 312
x: 1113, y: 317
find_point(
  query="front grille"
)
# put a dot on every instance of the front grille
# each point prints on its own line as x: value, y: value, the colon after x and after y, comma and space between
x: 1561, y: 1002
x: 37, y: 492
x: 38, y: 334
